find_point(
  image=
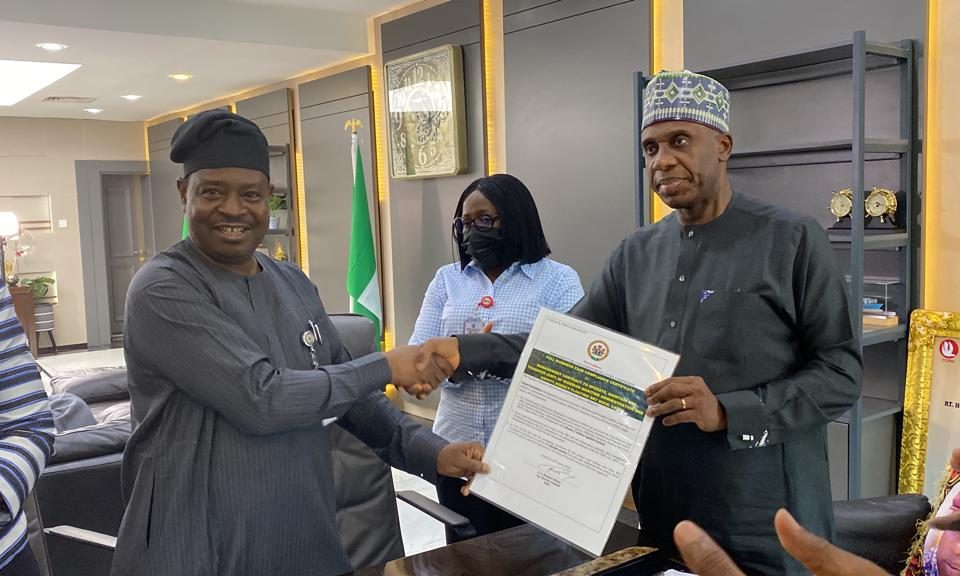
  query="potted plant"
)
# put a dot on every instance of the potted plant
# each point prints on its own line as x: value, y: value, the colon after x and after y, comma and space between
x: 278, y: 212
x: 39, y: 285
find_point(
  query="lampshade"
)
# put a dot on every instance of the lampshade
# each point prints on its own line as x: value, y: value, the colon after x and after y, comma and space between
x: 9, y: 225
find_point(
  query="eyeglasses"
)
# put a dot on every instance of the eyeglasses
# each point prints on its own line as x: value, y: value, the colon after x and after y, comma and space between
x: 482, y: 222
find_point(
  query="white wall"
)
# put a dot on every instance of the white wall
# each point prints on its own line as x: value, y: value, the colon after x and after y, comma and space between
x: 37, y: 157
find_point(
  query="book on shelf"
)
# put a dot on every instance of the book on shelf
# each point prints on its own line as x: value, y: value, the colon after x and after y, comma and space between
x: 881, y: 320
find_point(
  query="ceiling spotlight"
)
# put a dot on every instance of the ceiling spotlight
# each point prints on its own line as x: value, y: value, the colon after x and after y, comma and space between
x: 180, y: 77
x: 51, y: 46
x: 131, y: 97
x: 93, y: 110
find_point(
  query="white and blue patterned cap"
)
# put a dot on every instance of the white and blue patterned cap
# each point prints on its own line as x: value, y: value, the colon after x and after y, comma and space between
x: 686, y: 95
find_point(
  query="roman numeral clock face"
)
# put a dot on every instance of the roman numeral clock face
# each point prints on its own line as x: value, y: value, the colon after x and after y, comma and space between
x: 425, y: 109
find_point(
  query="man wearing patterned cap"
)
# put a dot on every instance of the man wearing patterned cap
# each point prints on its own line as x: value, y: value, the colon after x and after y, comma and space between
x: 234, y: 367
x: 752, y: 298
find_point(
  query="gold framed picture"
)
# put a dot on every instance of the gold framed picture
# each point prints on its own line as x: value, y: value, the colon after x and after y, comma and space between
x: 931, y: 403
x: 427, y: 129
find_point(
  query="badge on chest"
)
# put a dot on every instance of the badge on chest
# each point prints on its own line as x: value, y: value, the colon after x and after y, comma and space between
x: 474, y: 324
x: 311, y: 339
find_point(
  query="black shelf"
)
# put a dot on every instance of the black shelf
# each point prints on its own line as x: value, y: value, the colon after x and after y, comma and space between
x: 883, y: 241
x: 879, y: 334
x: 874, y: 409
x: 870, y: 146
x: 853, y: 59
x: 823, y: 62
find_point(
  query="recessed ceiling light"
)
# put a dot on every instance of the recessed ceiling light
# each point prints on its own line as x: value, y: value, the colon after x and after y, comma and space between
x: 21, y: 79
x: 93, y: 110
x: 131, y: 97
x: 180, y: 77
x: 52, y: 46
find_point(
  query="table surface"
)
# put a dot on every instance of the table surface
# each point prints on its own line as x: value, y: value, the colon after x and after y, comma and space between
x: 521, y: 551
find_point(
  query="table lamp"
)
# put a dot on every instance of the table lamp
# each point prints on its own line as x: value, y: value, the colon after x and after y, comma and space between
x: 9, y: 226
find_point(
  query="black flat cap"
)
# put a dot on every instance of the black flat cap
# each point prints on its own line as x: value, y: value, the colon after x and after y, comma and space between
x: 219, y: 139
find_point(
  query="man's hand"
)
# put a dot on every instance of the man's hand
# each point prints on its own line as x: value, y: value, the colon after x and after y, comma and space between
x: 462, y: 460
x: 446, y: 348
x: 701, y: 554
x: 685, y: 399
x: 704, y: 557
x: 409, y: 374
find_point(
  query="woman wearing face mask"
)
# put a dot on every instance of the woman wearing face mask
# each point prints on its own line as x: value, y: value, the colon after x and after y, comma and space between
x: 501, y: 281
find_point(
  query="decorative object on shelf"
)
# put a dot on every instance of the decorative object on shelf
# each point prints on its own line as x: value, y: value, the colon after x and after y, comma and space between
x: 9, y: 226
x: 881, y: 203
x: 39, y: 285
x: 842, y: 203
x: 278, y: 252
x: 427, y: 127
x: 931, y: 404
x: 278, y: 212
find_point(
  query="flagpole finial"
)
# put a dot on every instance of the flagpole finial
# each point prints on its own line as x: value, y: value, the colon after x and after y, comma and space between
x: 353, y: 125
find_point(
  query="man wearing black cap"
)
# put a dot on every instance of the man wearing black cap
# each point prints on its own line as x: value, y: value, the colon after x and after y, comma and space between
x: 233, y: 367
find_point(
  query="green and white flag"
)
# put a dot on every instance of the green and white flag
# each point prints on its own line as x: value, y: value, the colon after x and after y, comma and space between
x: 363, y: 286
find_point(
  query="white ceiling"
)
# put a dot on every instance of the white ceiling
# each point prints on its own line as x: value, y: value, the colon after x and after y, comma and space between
x: 130, y: 46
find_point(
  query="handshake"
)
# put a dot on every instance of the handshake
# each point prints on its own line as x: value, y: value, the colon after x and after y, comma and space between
x: 420, y: 369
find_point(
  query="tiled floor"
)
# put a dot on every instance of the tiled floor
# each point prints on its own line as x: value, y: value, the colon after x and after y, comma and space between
x: 420, y: 532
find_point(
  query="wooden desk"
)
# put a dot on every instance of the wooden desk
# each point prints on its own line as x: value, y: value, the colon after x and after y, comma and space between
x: 524, y: 550
x: 23, y: 304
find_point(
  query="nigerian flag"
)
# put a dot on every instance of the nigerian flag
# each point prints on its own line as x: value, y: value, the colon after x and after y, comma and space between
x: 362, y: 283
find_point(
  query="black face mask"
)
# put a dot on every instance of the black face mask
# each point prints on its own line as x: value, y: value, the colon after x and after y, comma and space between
x: 485, y: 247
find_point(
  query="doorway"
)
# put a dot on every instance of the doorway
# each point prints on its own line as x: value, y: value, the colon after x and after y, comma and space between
x: 126, y: 245
x: 116, y: 239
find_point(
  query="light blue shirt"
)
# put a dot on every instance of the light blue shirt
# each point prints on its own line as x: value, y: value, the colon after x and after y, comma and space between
x: 452, y: 305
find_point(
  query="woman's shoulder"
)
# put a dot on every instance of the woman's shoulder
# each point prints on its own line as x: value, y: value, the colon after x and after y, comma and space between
x: 555, y: 268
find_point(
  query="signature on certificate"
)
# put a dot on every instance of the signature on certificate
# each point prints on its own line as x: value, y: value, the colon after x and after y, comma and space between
x: 554, y: 473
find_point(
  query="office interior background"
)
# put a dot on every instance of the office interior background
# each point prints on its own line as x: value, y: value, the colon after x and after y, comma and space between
x: 550, y: 95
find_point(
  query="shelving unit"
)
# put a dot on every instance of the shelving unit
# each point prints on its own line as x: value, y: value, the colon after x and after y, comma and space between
x: 853, y: 59
x: 280, y: 176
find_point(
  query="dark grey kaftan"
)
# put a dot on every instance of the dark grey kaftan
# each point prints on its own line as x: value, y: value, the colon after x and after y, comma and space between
x: 229, y: 468
x: 755, y: 304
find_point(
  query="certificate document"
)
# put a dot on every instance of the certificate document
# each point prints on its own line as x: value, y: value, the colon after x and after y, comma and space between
x: 572, y: 428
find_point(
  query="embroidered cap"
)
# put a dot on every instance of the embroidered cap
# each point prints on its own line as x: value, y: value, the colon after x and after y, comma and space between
x: 686, y: 95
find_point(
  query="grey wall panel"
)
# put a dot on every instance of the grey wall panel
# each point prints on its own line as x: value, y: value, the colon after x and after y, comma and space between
x: 271, y: 112
x: 569, y: 113
x: 359, y: 102
x: 351, y: 83
x: 719, y: 33
x: 328, y: 177
x: 442, y: 20
x: 159, y: 136
x: 812, y: 111
x: 164, y: 198
x: 519, y: 14
x: 421, y: 210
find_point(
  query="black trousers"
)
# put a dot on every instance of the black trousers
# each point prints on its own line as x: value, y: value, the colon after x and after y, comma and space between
x: 23, y: 564
x: 485, y: 517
